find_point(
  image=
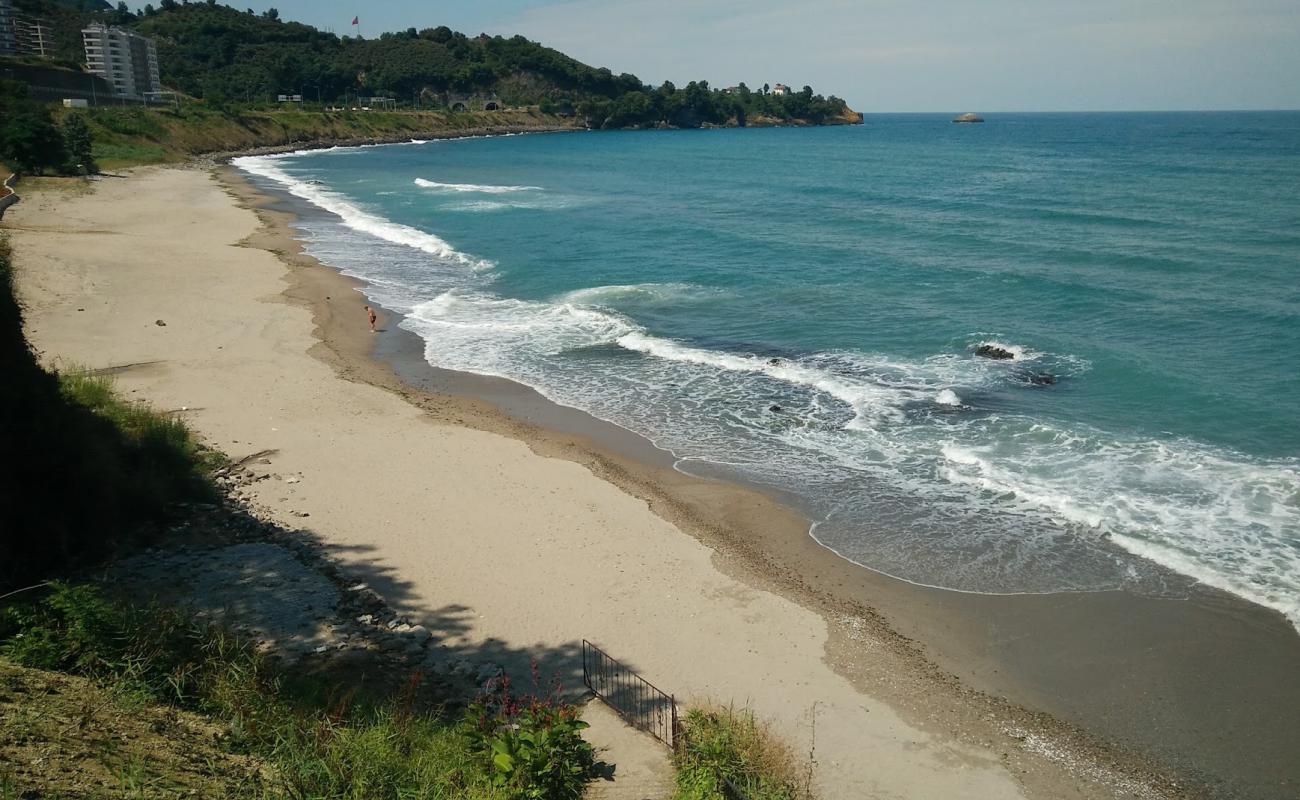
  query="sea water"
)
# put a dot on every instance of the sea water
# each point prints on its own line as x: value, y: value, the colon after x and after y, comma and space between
x: 802, y: 310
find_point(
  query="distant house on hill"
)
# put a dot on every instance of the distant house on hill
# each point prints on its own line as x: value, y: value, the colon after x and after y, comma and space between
x: 780, y: 88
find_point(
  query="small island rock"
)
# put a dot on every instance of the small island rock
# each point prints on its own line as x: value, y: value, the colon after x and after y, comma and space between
x: 994, y: 352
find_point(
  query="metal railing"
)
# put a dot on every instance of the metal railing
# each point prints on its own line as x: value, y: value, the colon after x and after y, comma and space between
x: 635, y: 699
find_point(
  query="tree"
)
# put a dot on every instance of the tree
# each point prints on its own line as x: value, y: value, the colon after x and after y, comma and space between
x: 79, y: 145
x: 272, y: 14
x: 29, y: 142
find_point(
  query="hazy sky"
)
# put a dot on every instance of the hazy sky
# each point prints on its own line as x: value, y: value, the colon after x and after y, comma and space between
x: 901, y: 55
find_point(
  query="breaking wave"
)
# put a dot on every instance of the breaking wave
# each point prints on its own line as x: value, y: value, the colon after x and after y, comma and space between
x: 477, y: 188
x: 355, y: 217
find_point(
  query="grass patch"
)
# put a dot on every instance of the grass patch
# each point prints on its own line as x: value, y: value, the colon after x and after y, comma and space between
x: 312, y: 741
x: 165, y: 450
x: 730, y: 754
x: 111, y: 155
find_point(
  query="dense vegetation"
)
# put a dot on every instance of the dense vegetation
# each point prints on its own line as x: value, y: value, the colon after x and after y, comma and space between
x: 225, y: 56
x: 307, y: 738
x: 31, y: 142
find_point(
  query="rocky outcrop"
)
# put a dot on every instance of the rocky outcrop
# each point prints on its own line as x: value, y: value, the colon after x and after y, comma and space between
x: 994, y: 352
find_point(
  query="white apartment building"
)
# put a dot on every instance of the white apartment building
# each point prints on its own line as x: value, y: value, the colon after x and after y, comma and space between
x: 126, y: 60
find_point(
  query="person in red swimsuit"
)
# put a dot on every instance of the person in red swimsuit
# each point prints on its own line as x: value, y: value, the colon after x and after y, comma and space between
x: 371, y: 312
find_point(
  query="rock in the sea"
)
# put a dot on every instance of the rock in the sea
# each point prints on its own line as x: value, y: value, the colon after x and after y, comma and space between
x: 968, y: 117
x: 994, y: 352
x: 774, y: 408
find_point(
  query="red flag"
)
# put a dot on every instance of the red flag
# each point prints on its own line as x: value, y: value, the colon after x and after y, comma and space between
x: 356, y: 20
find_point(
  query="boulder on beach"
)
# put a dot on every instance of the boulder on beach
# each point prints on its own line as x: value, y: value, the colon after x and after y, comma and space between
x: 994, y: 352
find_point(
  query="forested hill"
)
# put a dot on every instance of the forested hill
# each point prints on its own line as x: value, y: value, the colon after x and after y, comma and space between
x: 222, y: 55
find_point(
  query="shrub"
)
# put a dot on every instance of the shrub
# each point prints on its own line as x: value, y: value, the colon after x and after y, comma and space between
x: 534, y: 741
x: 726, y: 752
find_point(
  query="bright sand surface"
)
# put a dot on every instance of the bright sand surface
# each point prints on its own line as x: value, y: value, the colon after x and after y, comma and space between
x: 505, y: 553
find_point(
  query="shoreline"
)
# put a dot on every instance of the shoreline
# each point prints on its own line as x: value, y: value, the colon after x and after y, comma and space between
x: 898, y: 662
x: 772, y: 547
x: 216, y: 158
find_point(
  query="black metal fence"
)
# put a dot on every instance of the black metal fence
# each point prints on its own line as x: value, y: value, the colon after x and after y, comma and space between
x: 637, y: 700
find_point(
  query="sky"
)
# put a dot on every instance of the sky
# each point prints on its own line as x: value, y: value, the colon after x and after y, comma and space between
x: 901, y: 55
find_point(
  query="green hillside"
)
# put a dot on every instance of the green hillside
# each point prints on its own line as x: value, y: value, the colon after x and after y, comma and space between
x: 224, y: 56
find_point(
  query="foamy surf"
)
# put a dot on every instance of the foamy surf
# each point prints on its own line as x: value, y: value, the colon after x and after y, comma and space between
x: 853, y: 384
x: 353, y: 216
x: 615, y: 294
x: 477, y: 188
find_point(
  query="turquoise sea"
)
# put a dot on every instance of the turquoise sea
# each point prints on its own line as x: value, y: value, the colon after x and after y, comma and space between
x: 801, y: 309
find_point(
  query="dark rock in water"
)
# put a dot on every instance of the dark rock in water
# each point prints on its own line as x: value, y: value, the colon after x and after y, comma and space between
x: 776, y: 362
x: 994, y: 352
x: 1035, y: 378
x: 774, y: 408
x: 969, y: 118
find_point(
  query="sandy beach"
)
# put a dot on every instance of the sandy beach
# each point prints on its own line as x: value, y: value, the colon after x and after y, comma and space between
x: 519, y: 534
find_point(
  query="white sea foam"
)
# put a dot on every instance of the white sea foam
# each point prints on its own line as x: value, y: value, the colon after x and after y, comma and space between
x: 353, y: 216
x: 477, y: 188
x: 639, y: 292
x: 482, y: 206
x: 1224, y: 519
x: 870, y: 400
x: 469, y: 318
